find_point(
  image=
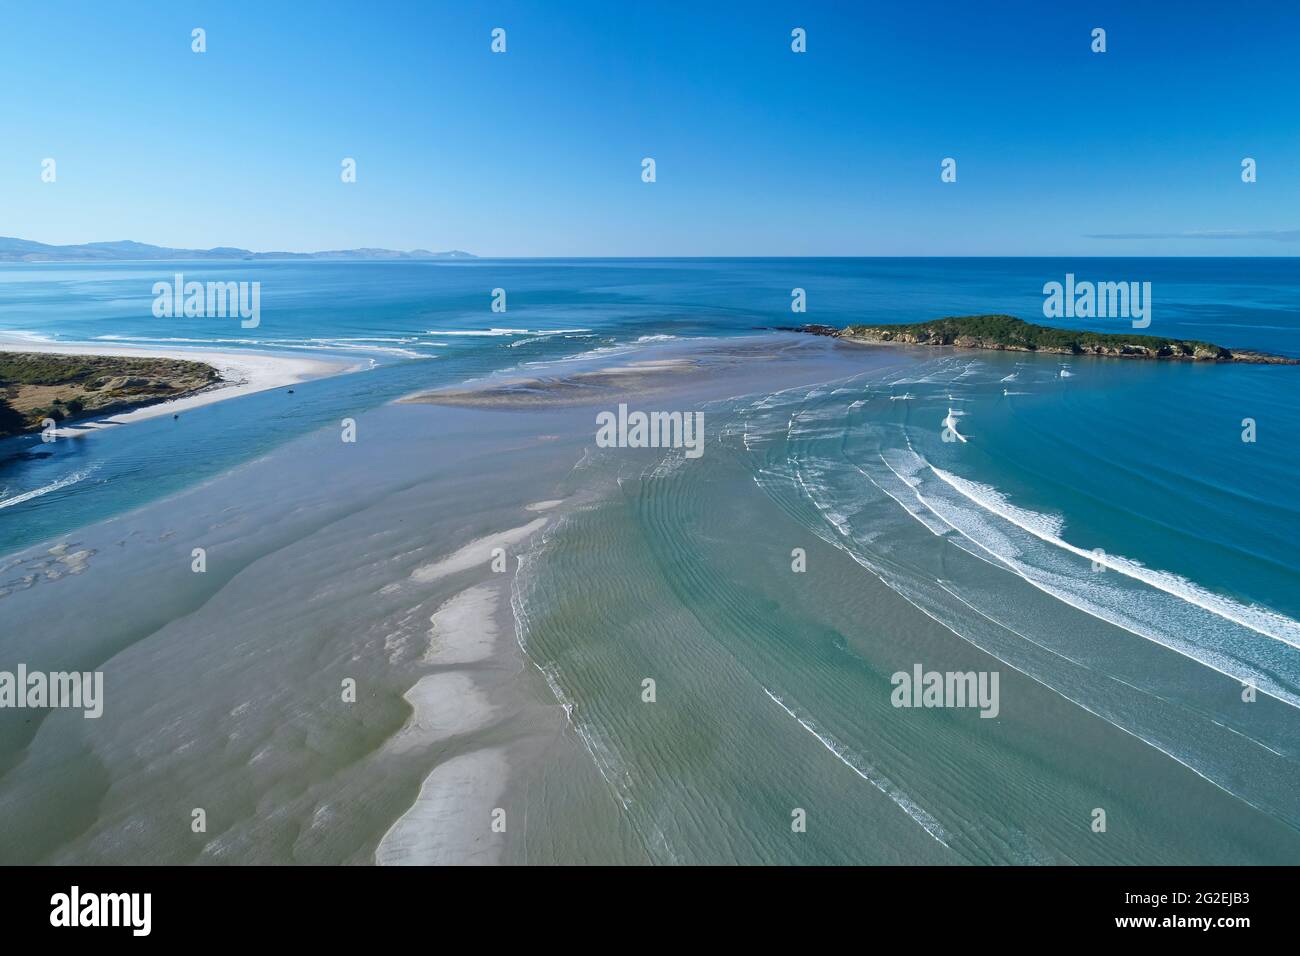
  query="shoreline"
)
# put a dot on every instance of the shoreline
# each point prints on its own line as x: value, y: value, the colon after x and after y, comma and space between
x: 243, y: 372
x: 1239, y: 357
x: 1142, y: 347
x: 448, y: 711
x: 485, y: 693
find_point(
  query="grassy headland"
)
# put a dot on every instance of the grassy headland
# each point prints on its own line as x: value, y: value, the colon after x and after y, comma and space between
x: 36, y: 386
x: 1007, y: 333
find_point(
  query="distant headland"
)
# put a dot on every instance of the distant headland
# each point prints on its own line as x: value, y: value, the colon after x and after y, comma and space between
x: 25, y: 250
x: 1007, y: 333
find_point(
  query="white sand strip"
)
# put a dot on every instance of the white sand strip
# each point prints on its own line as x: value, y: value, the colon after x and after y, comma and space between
x: 475, y: 553
x: 243, y: 372
x: 544, y: 505
x: 464, y: 629
x: 451, y: 820
x: 445, y: 705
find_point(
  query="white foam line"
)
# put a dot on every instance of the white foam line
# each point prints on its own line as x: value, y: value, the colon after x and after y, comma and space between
x: 1092, y: 610
x: 840, y: 544
x: 1020, y: 670
x: 1185, y: 590
x: 496, y: 332
x: 937, y: 532
x: 951, y: 423
x: 603, y: 755
x: 1132, y: 733
x: 46, y: 489
x: 869, y: 774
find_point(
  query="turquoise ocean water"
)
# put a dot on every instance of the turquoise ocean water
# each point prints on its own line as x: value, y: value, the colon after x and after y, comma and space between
x: 1105, y: 533
x: 410, y: 322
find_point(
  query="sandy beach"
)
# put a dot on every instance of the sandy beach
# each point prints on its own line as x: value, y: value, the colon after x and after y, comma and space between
x: 443, y: 660
x: 243, y: 372
x: 400, y: 595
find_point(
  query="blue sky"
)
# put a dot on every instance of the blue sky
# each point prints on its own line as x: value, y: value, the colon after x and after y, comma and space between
x: 759, y: 151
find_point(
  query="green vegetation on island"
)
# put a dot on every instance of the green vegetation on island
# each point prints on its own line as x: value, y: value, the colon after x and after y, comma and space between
x: 35, y: 386
x: 1005, y: 332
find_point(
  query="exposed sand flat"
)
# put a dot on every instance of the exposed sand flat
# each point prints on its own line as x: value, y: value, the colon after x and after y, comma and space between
x: 446, y: 704
x: 578, y: 388
x: 464, y: 629
x: 243, y: 372
x: 544, y: 505
x: 708, y: 361
x: 476, y: 552
x: 451, y: 820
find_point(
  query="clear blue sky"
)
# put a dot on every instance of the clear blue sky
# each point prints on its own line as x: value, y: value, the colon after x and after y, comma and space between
x: 759, y: 151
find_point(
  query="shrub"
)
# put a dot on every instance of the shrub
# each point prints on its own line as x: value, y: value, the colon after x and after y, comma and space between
x: 11, y: 422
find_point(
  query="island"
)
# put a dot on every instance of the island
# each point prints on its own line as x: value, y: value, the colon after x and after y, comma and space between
x: 36, y: 386
x: 1007, y: 333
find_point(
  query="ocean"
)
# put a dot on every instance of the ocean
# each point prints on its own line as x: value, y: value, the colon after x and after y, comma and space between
x: 1096, y: 531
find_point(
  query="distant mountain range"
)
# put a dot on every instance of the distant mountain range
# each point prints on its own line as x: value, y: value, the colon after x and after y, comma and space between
x: 24, y: 250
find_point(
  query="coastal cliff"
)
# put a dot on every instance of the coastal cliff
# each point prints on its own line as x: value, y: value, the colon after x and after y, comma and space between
x: 1007, y: 333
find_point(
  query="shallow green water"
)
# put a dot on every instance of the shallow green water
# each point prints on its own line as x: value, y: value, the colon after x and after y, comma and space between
x: 1120, y: 685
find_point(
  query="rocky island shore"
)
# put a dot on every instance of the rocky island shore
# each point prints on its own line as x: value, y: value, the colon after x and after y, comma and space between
x: 1007, y: 333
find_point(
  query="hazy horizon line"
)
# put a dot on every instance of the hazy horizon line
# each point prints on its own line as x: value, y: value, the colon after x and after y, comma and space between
x: 450, y: 254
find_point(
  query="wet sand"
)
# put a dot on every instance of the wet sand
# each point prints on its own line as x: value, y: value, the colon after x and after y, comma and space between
x: 681, y: 367
x: 578, y: 388
x: 226, y: 690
